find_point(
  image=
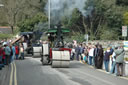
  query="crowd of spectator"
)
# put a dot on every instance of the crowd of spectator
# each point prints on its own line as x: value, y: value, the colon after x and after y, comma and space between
x: 9, y: 52
x: 100, y: 57
x: 92, y: 54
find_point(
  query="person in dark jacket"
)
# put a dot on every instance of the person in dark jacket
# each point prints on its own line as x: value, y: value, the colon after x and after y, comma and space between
x: 73, y: 53
x: 100, y: 57
x: 106, y: 59
x: 96, y: 51
x: 77, y: 50
x: 111, y: 50
x: 4, y: 58
x: 1, y: 55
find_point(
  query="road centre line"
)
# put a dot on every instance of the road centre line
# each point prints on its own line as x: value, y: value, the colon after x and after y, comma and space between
x: 11, y: 75
x: 15, y: 75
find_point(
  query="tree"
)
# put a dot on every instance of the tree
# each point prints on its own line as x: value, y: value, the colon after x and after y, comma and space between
x: 5, y: 36
x: 125, y: 18
x: 29, y: 24
x: 74, y: 22
x: 122, y: 2
x: 18, y: 10
x: 102, y: 13
x: 11, y: 9
x: 95, y: 17
x: 98, y: 13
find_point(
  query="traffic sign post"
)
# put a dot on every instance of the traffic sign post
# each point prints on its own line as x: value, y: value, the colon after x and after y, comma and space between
x: 86, y: 37
x: 124, y: 31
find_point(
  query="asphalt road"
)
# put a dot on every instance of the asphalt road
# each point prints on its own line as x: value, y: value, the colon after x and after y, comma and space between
x: 31, y: 72
x: 5, y: 75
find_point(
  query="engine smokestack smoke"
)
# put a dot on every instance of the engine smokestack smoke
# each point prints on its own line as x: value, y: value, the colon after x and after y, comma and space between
x: 61, y: 8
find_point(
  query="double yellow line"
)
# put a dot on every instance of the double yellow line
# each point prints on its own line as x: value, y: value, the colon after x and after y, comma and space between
x: 13, y: 75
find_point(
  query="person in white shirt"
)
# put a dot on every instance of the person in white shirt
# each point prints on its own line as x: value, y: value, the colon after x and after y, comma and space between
x: 73, y: 53
x: 91, y: 55
x: 21, y: 51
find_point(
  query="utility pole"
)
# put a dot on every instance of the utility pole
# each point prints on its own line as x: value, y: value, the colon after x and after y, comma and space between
x: 49, y: 13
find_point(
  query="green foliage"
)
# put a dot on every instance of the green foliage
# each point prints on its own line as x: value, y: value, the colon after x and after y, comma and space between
x: 105, y: 15
x: 16, y: 11
x: 125, y: 18
x: 75, y: 16
x: 78, y: 37
x: 5, y: 36
x: 115, y: 20
x: 103, y: 19
x: 126, y: 59
x: 74, y: 23
x: 28, y: 24
x: 122, y: 2
x: 108, y: 34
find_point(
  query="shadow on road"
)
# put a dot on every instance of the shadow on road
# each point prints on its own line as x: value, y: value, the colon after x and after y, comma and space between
x: 81, y: 81
x: 76, y: 64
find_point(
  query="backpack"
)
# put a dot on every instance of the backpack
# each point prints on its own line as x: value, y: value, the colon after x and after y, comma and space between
x: 7, y: 51
x: 11, y: 53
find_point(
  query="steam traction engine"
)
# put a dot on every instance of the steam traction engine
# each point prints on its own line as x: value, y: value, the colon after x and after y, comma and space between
x: 54, y: 52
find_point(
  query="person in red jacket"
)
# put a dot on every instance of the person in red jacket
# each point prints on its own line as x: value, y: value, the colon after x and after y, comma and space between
x: 17, y: 52
x: 1, y: 56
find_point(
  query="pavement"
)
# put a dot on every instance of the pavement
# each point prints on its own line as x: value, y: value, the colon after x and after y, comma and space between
x: 31, y: 72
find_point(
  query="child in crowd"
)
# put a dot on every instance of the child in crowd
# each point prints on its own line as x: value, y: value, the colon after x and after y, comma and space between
x: 21, y: 51
x: 17, y: 52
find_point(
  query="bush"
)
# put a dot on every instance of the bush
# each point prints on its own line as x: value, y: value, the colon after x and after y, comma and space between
x: 78, y: 37
x: 126, y: 59
x: 29, y: 24
x: 109, y: 34
x: 5, y: 36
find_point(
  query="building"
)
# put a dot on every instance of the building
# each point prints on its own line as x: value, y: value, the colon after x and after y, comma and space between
x: 5, y: 30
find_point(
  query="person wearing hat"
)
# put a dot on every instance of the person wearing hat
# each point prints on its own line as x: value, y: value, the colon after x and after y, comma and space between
x: 119, y: 60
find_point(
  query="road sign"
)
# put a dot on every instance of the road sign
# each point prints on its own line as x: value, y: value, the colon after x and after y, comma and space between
x: 124, y: 31
x: 126, y: 45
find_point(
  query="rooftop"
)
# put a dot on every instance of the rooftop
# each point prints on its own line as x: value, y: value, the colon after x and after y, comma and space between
x: 5, y: 30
